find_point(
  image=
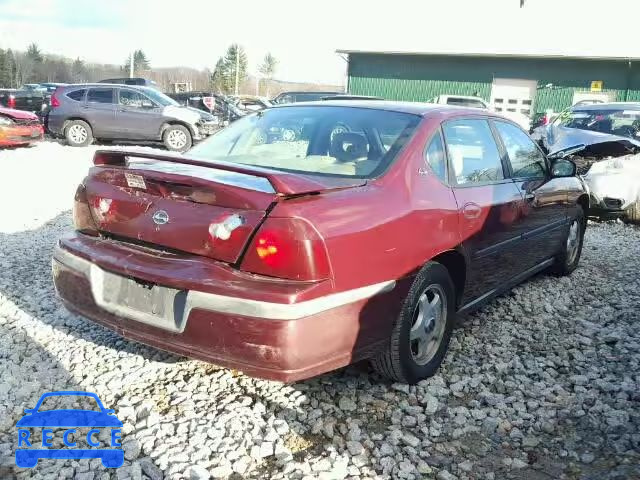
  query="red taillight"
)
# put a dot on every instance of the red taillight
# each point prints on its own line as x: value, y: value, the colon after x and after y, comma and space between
x: 287, y: 248
x: 54, y: 100
x: 11, y: 103
x: 82, y: 219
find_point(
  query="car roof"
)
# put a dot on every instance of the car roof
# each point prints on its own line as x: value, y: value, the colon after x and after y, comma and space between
x: 609, y: 106
x: 415, y: 108
x: 103, y: 85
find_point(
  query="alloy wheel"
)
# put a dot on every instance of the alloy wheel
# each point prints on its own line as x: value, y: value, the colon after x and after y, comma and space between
x: 573, y: 241
x: 78, y: 134
x: 177, y: 139
x: 430, y: 320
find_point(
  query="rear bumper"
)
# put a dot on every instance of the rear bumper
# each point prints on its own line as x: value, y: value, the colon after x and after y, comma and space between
x: 19, y: 135
x: 267, y: 339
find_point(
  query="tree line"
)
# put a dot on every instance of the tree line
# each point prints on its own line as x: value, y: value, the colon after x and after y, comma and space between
x: 33, y: 66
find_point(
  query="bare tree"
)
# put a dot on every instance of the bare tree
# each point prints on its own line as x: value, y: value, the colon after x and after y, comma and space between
x: 268, y: 69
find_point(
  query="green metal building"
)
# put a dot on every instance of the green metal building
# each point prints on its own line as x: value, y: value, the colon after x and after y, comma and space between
x: 525, y: 83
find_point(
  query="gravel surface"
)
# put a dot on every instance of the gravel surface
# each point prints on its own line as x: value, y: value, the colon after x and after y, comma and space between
x: 543, y: 383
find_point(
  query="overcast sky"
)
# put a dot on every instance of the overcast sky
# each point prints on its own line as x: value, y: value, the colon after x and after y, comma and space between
x: 304, y: 35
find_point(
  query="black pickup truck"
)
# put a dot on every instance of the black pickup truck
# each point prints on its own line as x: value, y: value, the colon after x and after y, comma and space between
x: 26, y: 99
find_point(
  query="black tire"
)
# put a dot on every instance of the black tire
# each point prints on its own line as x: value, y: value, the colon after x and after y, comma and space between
x: 78, y: 133
x: 566, y: 262
x: 398, y: 361
x: 177, y: 138
x: 632, y: 214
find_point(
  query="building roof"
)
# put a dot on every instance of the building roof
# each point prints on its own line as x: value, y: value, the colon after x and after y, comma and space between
x: 492, y: 55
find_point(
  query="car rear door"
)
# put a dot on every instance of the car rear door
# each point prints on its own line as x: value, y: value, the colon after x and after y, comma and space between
x: 100, y: 112
x: 489, y: 206
x: 137, y: 115
x: 545, y: 206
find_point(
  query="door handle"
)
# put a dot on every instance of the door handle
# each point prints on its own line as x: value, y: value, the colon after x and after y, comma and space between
x: 471, y: 210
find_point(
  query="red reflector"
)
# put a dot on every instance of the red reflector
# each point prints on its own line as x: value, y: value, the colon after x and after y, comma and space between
x: 11, y: 103
x: 288, y: 248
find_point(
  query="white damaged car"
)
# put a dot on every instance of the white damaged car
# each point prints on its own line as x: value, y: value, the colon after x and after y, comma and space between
x: 604, y: 141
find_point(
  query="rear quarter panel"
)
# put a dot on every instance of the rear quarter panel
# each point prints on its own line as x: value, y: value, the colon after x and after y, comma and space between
x: 387, y: 229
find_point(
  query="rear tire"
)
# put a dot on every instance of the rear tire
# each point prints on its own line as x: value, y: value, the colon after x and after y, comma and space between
x: 78, y: 133
x: 567, y: 260
x: 632, y: 214
x: 177, y: 138
x: 421, y: 334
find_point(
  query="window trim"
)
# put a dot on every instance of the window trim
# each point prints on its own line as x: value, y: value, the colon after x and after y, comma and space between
x: 453, y: 182
x: 438, y: 132
x: 155, y: 105
x: 113, y: 95
x: 507, y: 159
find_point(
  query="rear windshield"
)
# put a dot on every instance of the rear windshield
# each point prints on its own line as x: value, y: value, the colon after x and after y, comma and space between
x: 325, y: 140
x: 465, y: 102
x: 625, y: 123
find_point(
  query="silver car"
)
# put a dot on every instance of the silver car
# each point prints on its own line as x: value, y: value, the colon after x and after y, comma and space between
x: 82, y: 113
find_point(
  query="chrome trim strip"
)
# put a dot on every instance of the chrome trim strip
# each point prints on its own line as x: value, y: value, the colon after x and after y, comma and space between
x: 235, y: 179
x: 233, y: 305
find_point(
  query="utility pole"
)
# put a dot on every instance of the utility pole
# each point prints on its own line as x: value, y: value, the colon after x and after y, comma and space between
x: 131, y: 65
x: 237, y: 68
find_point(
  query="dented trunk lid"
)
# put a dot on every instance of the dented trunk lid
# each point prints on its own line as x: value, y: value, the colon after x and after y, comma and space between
x: 183, y: 204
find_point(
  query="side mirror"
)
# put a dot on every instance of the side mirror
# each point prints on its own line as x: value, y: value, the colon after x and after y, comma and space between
x: 109, y: 411
x: 29, y: 410
x: 563, y: 167
x: 147, y: 104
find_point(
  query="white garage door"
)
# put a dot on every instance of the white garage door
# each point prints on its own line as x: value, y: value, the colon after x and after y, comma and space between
x: 513, y: 95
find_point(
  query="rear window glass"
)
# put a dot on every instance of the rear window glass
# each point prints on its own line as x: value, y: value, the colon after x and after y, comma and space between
x: 77, y: 95
x: 625, y: 123
x: 325, y: 140
x: 100, y: 95
x: 465, y: 102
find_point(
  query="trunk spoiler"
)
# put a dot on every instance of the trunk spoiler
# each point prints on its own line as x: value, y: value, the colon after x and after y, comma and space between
x: 281, y: 182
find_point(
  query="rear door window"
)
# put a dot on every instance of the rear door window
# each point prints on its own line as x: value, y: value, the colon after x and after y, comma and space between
x: 434, y: 155
x: 473, y: 152
x: 77, y: 95
x: 100, y: 95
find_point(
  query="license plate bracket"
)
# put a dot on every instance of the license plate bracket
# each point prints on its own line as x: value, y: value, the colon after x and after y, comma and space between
x: 155, y: 305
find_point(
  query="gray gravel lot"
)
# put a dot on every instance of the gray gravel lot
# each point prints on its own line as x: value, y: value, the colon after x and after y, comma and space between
x: 543, y: 383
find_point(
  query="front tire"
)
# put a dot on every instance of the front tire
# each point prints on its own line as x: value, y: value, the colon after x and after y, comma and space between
x: 177, y: 138
x: 567, y: 260
x: 421, y: 334
x: 78, y: 133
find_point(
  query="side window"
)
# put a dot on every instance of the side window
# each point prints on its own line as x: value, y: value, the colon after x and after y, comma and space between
x: 100, y: 95
x: 473, y: 152
x: 77, y: 95
x: 131, y: 98
x: 434, y: 156
x: 526, y: 159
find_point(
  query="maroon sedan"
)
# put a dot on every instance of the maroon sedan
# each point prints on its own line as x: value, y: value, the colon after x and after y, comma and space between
x: 306, y: 237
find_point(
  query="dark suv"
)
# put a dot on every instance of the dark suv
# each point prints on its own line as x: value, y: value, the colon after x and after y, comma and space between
x: 81, y: 113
